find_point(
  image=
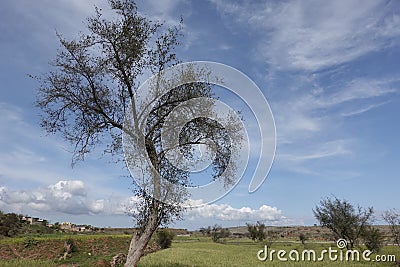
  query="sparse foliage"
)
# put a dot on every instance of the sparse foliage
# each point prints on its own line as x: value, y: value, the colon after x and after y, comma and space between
x: 270, y: 238
x: 91, y: 87
x: 373, y: 238
x: 343, y: 219
x: 392, y: 217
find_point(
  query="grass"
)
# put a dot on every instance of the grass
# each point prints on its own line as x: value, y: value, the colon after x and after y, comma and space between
x: 15, y: 240
x: 25, y: 262
x: 185, y: 251
x: 243, y: 253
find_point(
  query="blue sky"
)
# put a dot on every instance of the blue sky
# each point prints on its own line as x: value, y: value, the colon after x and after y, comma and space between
x: 329, y: 70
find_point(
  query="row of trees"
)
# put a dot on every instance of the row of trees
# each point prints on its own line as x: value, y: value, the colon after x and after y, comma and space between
x: 354, y: 224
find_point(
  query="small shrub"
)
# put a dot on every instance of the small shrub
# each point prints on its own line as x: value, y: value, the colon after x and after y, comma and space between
x: 30, y: 241
x: 71, y: 244
x: 373, y: 239
x: 218, y: 233
x: 303, y: 238
x: 164, y: 238
x: 118, y: 260
x: 69, y: 247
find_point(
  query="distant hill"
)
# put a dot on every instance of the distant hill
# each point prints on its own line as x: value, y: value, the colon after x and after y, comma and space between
x: 314, y: 233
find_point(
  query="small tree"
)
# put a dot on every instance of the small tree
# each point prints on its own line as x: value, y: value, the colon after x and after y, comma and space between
x: 343, y: 219
x: 373, y: 238
x: 271, y: 237
x: 393, y: 219
x: 217, y: 232
x: 252, y: 231
x: 303, y: 238
x: 257, y: 231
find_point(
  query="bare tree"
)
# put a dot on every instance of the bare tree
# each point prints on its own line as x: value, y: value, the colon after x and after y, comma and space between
x: 343, y: 219
x: 91, y: 89
x: 393, y: 219
x: 271, y: 237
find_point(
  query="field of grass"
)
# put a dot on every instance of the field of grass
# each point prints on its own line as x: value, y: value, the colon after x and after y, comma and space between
x: 244, y: 253
x: 185, y: 251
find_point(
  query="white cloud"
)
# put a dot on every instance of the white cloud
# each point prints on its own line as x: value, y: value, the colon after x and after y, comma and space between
x: 23, y: 154
x: 71, y: 197
x: 310, y: 122
x: 66, y: 196
x: 299, y: 38
x: 363, y: 110
x: 67, y: 189
x: 357, y: 89
x: 312, y: 35
x: 225, y: 212
x: 325, y: 150
x: 313, y: 111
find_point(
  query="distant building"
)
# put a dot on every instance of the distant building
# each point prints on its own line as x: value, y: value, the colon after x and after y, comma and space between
x: 80, y: 228
x: 66, y: 226
x: 33, y: 220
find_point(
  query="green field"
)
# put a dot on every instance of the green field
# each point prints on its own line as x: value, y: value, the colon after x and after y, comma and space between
x: 241, y: 252
x: 185, y: 251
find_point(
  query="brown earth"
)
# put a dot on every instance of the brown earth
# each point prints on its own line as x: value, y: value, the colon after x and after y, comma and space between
x: 52, y: 249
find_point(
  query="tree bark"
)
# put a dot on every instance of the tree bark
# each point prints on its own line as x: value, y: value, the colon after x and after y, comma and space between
x: 139, y: 241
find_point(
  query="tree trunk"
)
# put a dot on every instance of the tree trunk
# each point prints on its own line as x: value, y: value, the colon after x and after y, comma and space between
x: 139, y: 242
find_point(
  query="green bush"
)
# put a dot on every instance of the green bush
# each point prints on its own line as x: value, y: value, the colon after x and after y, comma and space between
x: 10, y: 224
x: 164, y: 238
x: 30, y: 241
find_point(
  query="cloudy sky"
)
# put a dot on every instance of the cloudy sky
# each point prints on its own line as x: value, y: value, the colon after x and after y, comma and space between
x: 329, y: 70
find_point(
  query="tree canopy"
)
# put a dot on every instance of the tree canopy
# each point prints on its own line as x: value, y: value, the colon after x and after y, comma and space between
x: 343, y: 219
x: 89, y: 97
